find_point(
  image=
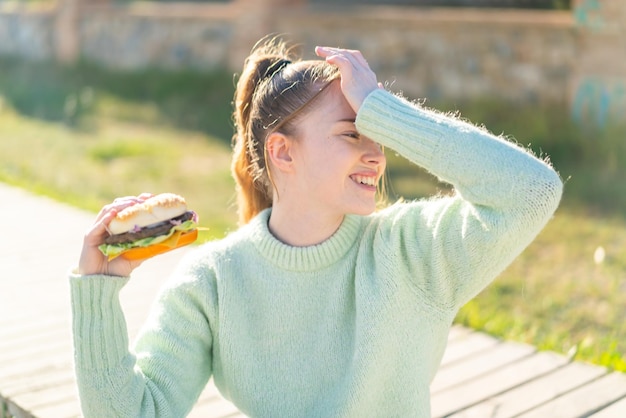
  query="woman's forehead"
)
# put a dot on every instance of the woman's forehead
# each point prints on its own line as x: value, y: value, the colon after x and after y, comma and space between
x: 335, y: 102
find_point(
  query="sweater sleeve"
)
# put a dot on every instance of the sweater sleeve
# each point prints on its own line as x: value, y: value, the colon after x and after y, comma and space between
x: 170, y: 364
x: 454, y: 246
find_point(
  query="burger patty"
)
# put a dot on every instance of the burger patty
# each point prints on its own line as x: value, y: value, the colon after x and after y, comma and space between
x: 154, y: 230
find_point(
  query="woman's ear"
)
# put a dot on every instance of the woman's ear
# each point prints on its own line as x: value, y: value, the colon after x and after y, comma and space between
x: 279, y: 147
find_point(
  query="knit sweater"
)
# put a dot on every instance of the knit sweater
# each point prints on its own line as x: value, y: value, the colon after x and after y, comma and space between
x: 353, y: 327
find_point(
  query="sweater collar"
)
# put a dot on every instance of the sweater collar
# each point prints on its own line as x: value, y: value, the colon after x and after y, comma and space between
x: 309, y: 258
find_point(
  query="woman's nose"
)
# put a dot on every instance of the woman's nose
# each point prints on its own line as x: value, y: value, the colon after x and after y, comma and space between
x: 374, y: 153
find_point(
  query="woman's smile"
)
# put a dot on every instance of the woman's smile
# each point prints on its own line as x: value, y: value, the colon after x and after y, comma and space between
x: 366, y: 181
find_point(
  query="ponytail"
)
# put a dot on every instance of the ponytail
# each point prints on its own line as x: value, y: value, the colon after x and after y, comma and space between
x: 263, y: 104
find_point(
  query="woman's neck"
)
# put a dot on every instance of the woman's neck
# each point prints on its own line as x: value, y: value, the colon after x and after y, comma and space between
x: 302, y: 228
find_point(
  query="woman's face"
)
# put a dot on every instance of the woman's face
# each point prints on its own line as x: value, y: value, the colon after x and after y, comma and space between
x: 336, y: 170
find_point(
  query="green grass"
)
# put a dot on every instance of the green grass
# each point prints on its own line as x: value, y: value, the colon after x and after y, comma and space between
x: 84, y: 135
x: 557, y: 297
x: 81, y: 136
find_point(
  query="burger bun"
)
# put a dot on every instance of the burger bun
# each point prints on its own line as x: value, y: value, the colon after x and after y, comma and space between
x: 159, y: 208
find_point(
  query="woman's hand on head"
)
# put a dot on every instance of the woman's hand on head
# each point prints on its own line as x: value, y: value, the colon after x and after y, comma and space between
x: 92, y: 261
x: 357, y: 79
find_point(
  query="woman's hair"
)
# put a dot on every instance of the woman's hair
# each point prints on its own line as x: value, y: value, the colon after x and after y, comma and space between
x: 274, y: 90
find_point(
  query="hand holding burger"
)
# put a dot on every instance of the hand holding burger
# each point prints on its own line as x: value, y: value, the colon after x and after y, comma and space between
x: 133, y: 229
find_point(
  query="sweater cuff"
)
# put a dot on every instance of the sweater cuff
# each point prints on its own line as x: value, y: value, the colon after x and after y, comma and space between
x: 99, y: 327
x: 392, y: 121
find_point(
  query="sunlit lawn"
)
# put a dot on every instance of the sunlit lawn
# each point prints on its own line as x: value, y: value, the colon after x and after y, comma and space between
x: 86, y: 137
x: 118, y: 158
x: 566, y: 292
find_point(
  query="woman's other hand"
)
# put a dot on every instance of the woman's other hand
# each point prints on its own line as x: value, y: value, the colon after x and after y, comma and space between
x: 357, y: 79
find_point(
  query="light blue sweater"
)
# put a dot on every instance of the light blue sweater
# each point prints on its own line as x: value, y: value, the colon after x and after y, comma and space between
x: 353, y: 327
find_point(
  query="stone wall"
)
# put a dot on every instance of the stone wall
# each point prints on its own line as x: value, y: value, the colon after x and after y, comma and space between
x: 27, y: 32
x: 598, y: 84
x: 442, y: 53
x: 437, y: 53
x: 149, y: 36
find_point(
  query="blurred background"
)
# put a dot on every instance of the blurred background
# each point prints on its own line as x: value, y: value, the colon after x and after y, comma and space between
x: 103, y: 98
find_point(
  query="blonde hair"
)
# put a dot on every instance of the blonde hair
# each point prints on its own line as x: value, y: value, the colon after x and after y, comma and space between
x: 274, y: 90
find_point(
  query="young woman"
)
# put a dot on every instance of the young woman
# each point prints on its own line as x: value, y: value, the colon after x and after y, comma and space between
x: 318, y: 305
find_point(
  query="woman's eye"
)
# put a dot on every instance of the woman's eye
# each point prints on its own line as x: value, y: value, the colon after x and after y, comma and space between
x: 353, y: 135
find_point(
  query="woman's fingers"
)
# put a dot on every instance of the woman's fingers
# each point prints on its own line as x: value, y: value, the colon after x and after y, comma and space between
x: 357, y: 79
x: 347, y: 56
x: 92, y: 261
x: 98, y: 231
x: 122, y: 203
x: 108, y: 212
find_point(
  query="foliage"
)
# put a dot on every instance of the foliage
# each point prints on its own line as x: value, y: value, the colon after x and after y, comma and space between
x: 189, y: 100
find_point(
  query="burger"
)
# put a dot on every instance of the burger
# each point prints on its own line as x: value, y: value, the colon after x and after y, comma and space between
x: 159, y: 224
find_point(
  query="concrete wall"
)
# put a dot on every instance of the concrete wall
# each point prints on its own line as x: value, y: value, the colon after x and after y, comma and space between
x: 438, y: 53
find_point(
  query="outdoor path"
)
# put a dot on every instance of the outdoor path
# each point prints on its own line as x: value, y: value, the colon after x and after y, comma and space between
x: 480, y: 376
